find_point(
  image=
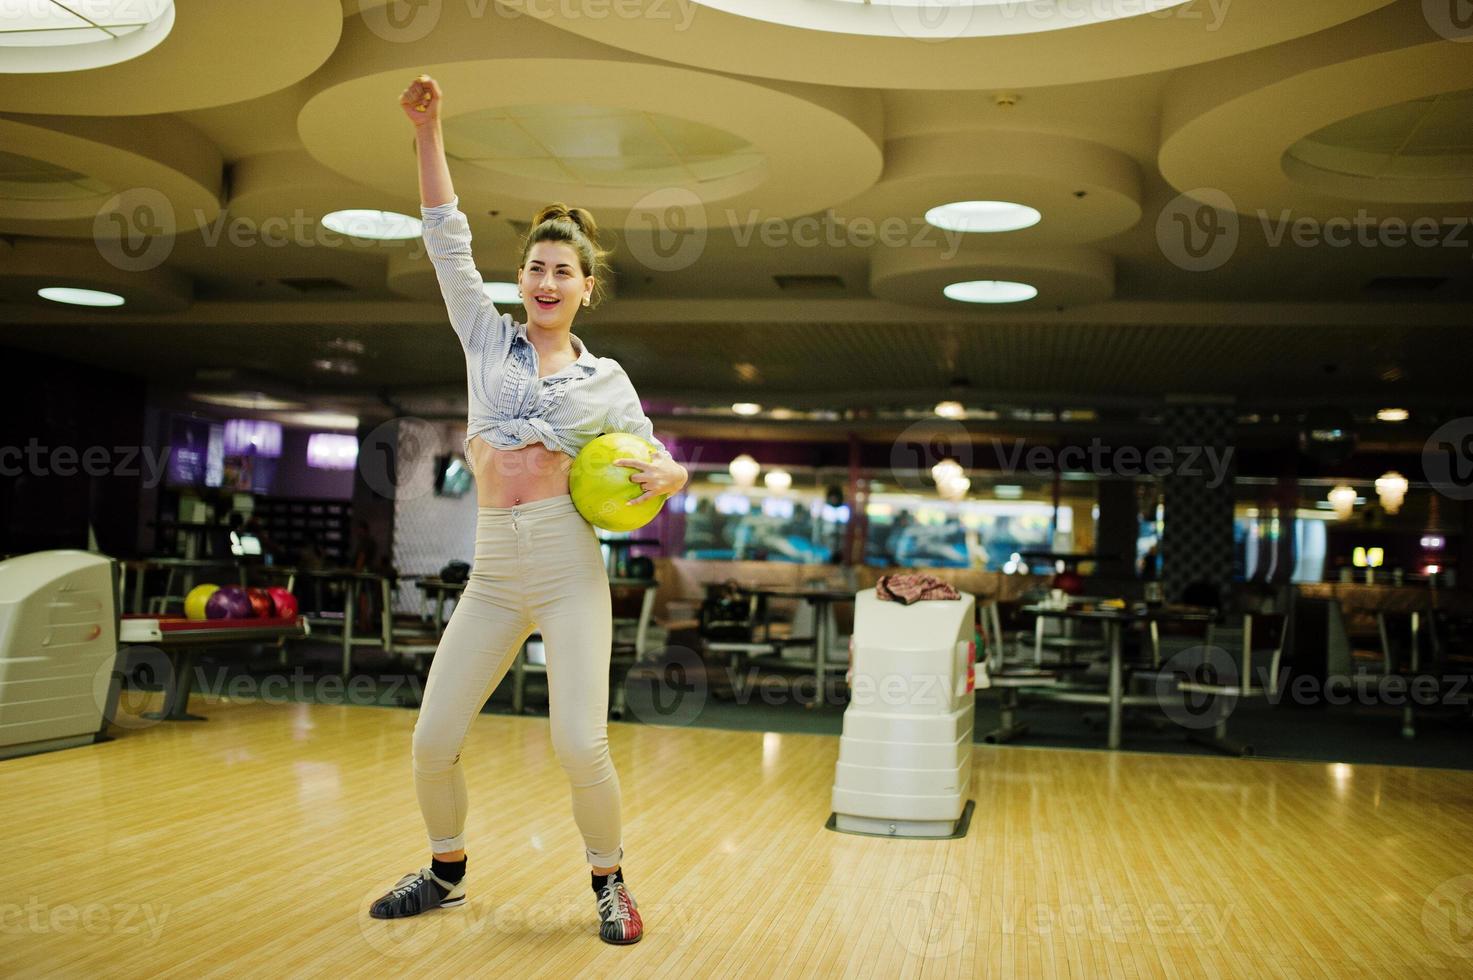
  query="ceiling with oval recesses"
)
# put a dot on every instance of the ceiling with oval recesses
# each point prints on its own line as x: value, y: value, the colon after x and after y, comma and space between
x: 769, y: 178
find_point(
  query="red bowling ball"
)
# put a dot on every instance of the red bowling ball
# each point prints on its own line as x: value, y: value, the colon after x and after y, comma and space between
x: 261, y: 603
x: 1070, y: 582
x: 284, y: 602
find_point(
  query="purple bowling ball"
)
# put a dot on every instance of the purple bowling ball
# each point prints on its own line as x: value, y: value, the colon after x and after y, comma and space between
x: 231, y: 602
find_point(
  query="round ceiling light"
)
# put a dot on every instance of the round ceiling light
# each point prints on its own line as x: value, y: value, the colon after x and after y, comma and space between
x: 79, y: 297
x: 376, y: 225
x: 983, y: 216
x: 990, y: 291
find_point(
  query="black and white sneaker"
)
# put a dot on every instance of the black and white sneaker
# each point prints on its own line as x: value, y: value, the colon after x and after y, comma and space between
x: 416, y: 893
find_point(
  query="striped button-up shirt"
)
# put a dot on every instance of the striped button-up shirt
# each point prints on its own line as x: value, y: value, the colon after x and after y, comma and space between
x: 510, y: 406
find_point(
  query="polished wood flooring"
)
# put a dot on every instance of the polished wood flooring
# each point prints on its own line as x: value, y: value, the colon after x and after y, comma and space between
x: 251, y: 844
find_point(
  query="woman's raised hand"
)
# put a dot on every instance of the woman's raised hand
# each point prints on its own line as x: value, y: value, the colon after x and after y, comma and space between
x: 421, y: 101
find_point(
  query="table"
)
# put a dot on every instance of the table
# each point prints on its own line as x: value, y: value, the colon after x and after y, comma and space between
x: 352, y: 581
x: 181, y: 639
x: 437, y: 590
x: 174, y: 566
x: 1114, y: 622
x: 821, y: 600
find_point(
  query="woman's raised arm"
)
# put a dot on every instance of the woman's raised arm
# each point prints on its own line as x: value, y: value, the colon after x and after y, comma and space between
x: 446, y: 232
x: 421, y: 102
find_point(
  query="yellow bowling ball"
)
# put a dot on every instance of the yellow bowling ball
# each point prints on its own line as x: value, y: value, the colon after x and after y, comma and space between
x: 601, y: 491
x: 194, y: 603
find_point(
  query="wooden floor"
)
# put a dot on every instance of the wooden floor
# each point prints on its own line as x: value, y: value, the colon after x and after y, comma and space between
x: 252, y: 844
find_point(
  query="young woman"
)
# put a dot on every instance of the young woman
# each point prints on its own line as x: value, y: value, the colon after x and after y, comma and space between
x: 537, y: 396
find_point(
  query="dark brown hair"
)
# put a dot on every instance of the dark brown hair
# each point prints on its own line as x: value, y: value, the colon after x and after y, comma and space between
x: 559, y: 223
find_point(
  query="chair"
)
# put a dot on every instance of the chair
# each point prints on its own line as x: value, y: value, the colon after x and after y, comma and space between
x: 1061, y: 636
x: 1402, y: 641
x: 804, y: 629
x: 1009, y: 678
x: 1255, y: 636
x: 728, y: 626
x: 179, y: 579
x: 631, y: 637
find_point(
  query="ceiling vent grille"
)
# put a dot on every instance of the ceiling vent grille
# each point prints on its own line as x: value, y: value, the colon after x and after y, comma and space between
x: 809, y: 284
x: 1405, y: 284
x: 316, y: 284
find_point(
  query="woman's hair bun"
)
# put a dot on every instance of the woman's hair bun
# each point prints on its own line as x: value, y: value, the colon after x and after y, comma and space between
x: 577, y: 216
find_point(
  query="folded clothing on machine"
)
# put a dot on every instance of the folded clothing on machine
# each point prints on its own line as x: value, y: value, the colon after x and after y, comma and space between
x: 913, y: 587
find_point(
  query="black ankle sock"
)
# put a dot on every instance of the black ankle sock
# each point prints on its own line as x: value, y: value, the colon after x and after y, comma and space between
x: 451, y: 871
x: 599, y: 881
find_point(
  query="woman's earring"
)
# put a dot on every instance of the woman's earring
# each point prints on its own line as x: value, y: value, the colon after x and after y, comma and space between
x: 585, y: 301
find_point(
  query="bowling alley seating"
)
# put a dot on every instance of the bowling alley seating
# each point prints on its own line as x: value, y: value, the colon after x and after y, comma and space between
x: 730, y: 621
x: 634, y: 609
x: 179, y: 576
x: 1254, y: 643
x: 1009, y: 669
x: 1381, y: 643
x: 796, y: 642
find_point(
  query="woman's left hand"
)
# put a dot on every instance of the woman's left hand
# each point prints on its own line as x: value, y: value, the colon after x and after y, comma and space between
x: 660, y: 476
